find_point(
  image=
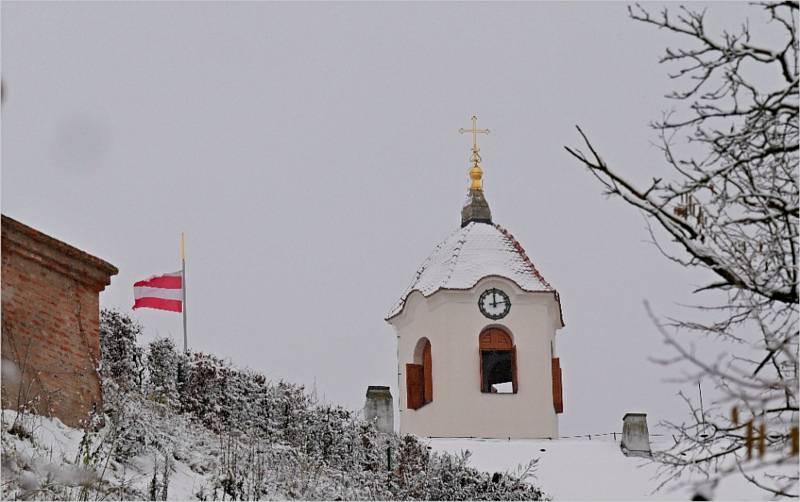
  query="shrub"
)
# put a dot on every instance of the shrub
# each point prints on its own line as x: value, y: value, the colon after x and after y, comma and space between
x: 162, y: 371
x: 121, y: 358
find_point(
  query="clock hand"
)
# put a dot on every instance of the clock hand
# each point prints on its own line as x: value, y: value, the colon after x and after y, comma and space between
x: 494, y: 299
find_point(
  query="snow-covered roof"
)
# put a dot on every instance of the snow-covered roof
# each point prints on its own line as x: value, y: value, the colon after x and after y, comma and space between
x: 469, y: 254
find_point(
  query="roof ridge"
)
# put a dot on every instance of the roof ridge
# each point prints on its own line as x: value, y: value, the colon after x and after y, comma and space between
x: 523, y: 254
x: 457, y: 250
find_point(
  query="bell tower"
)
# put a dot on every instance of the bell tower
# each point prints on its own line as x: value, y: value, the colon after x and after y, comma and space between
x: 476, y: 333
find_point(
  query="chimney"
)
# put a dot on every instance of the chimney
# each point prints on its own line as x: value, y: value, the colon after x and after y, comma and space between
x: 379, y: 408
x: 635, y: 437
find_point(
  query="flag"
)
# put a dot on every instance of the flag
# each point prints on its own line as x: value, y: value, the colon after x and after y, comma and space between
x: 163, y: 292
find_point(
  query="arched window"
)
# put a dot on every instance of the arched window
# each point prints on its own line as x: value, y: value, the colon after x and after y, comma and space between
x: 419, y: 376
x: 498, y: 357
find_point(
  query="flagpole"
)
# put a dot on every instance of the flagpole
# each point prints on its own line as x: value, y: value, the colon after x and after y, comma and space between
x: 183, y: 283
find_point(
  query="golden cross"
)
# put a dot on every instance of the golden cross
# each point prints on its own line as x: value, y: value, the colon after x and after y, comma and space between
x: 475, y: 131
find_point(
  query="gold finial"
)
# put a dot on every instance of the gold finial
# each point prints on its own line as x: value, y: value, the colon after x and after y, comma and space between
x: 476, y: 173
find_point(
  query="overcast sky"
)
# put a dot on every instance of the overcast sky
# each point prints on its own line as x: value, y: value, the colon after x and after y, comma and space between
x: 311, y: 154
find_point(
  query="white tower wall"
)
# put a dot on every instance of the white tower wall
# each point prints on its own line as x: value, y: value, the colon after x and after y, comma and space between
x: 452, y: 322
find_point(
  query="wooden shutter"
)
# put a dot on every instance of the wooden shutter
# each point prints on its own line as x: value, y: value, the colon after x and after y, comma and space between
x: 514, y: 368
x: 414, y: 386
x: 480, y: 365
x: 558, y: 399
x: 427, y: 375
x: 495, y: 339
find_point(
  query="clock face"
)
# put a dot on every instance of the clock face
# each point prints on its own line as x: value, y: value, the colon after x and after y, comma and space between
x: 494, y: 304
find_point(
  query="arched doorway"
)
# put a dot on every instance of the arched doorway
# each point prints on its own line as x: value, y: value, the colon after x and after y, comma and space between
x: 498, y: 362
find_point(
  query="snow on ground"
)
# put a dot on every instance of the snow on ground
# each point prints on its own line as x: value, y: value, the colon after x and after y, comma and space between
x: 584, y: 469
x: 568, y: 469
x: 54, y: 451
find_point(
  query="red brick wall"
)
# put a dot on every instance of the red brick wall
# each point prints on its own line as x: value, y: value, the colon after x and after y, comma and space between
x: 50, y: 324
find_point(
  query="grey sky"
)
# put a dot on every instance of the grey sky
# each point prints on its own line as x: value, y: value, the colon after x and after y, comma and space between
x: 310, y: 152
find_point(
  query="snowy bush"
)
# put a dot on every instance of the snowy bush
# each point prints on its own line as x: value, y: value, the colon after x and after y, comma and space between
x: 224, y: 398
x: 275, y: 439
x: 130, y: 422
x: 204, y: 390
x: 422, y: 475
x: 121, y: 358
x: 163, y: 362
x: 242, y: 437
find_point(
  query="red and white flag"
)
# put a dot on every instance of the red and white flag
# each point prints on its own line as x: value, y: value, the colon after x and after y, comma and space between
x: 163, y: 292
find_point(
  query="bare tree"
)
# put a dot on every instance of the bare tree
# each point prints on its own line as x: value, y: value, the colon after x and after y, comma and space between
x: 726, y: 200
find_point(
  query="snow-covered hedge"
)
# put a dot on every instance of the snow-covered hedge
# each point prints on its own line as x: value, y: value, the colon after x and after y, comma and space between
x: 120, y: 356
x: 194, y: 426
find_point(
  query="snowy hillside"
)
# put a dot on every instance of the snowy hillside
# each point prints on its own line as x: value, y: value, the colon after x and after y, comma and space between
x: 177, y: 427
x: 53, y: 463
x: 176, y: 458
x: 194, y: 427
x: 56, y: 462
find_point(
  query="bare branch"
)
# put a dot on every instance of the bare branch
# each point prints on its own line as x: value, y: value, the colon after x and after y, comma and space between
x: 729, y: 205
